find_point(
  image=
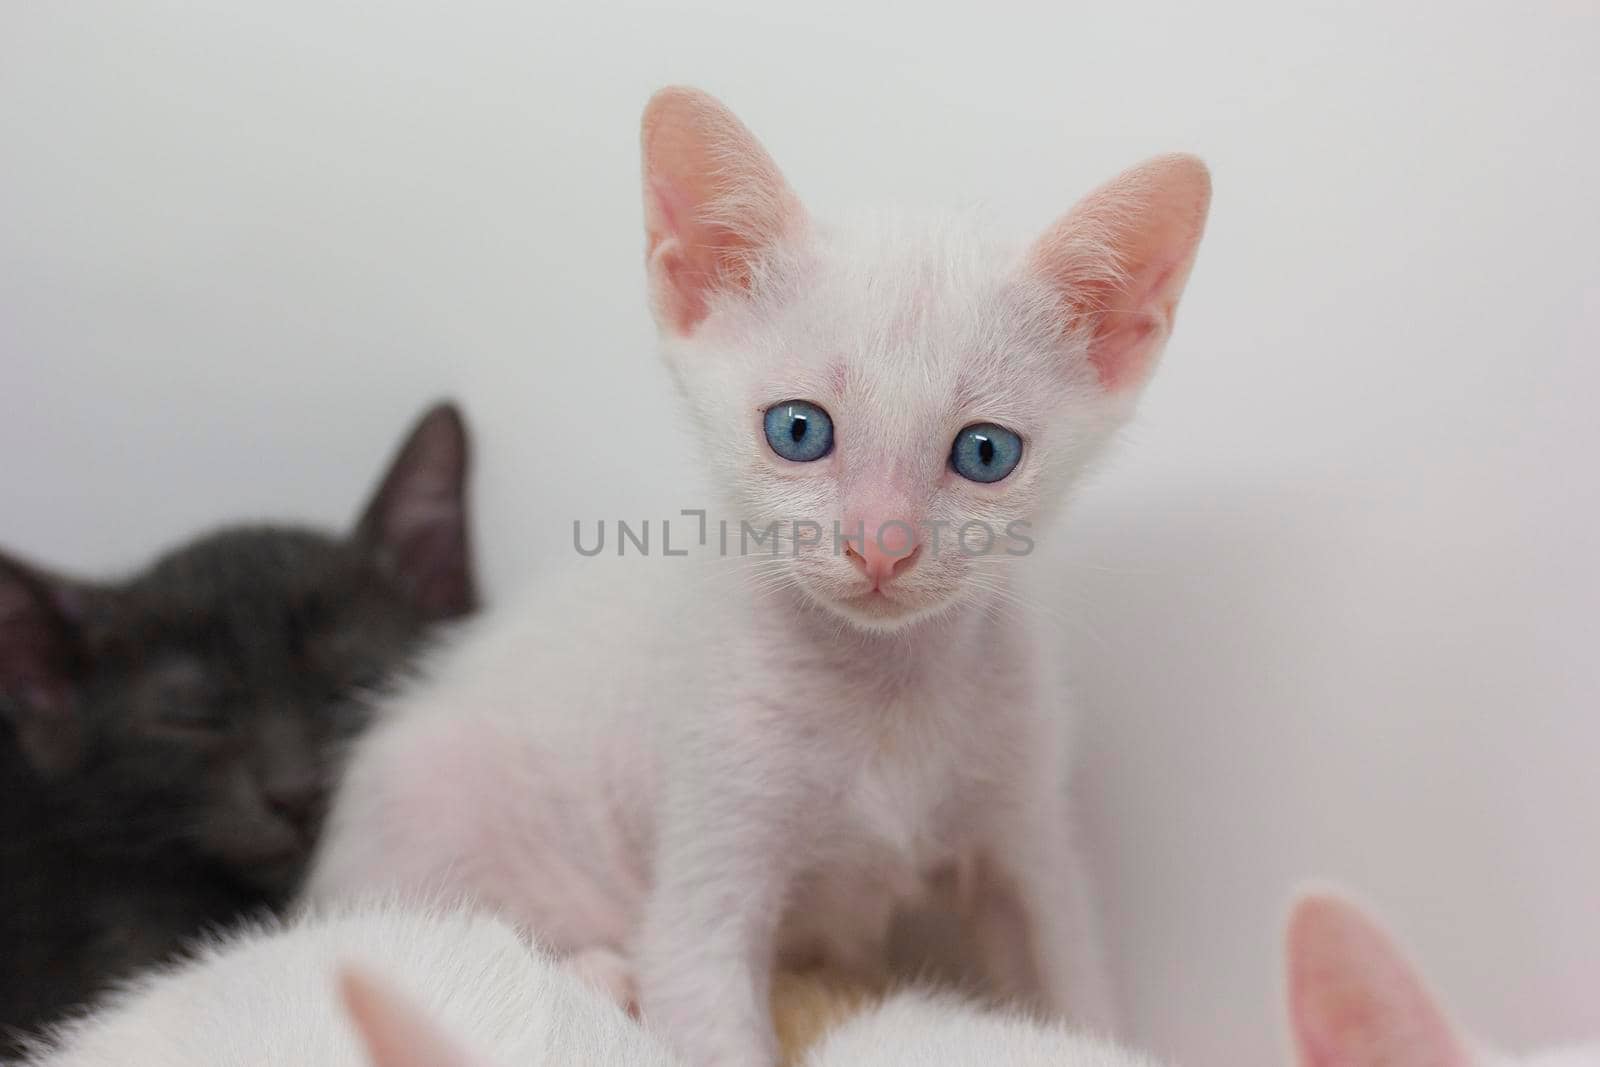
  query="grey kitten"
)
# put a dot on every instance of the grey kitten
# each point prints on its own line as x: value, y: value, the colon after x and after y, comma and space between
x: 167, y: 743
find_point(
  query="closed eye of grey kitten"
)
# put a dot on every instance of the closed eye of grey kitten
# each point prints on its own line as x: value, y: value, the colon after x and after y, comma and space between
x: 167, y: 742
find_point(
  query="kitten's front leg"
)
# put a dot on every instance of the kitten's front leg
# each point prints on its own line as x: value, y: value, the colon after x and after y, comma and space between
x: 734, y: 829
x: 1032, y: 915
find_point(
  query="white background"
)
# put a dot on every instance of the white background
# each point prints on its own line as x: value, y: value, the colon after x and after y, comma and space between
x: 1335, y: 602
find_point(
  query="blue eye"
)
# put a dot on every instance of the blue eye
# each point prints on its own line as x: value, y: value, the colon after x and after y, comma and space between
x: 985, y: 452
x: 799, y: 431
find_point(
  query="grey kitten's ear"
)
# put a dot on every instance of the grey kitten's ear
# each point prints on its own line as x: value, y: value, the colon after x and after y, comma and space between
x: 417, y: 520
x: 41, y: 656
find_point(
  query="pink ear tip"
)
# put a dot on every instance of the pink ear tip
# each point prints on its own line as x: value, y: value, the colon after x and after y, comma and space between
x: 678, y: 103
x: 1325, y: 924
x: 1315, y: 907
x: 1187, y: 172
x: 1185, y: 163
x: 668, y: 94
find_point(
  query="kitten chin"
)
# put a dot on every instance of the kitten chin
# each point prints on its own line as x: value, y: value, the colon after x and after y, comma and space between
x: 880, y: 611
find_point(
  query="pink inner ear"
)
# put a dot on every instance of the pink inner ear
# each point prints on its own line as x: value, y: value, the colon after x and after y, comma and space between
x: 1123, y: 347
x: 682, y: 279
x: 1121, y: 259
x: 394, y: 1031
x: 714, y: 200
x: 1354, y: 1000
x: 39, y: 646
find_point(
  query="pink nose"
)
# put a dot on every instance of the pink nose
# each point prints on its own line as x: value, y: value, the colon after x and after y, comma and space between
x: 884, y: 557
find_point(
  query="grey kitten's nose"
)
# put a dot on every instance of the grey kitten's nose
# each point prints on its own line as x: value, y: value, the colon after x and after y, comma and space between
x: 294, y: 799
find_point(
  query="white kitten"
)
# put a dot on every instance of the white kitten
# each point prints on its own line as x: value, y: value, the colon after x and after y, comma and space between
x: 695, y: 767
x: 1355, y: 1001
x: 432, y: 988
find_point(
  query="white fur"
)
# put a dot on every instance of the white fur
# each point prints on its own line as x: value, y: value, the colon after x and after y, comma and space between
x: 918, y: 1030
x: 452, y: 988
x: 267, y: 997
x: 696, y: 764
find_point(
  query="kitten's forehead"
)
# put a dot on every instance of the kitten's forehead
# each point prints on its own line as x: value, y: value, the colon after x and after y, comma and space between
x: 245, y: 597
x: 924, y: 326
x: 252, y: 574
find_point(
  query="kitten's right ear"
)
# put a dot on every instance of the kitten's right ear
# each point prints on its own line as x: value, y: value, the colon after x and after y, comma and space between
x: 41, y: 656
x: 417, y: 520
x: 1120, y: 259
x: 1354, y: 999
x: 713, y: 202
x: 394, y: 1031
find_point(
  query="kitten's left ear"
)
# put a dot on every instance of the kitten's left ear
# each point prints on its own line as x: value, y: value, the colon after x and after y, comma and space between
x: 417, y: 520
x: 714, y: 202
x: 41, y: 658
x: 394, y: 1031
x: 1120, y: 259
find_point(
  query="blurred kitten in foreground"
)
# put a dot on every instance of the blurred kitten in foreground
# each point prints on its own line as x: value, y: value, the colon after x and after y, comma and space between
x: 396, y: 986
x: 1356, y: 1001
